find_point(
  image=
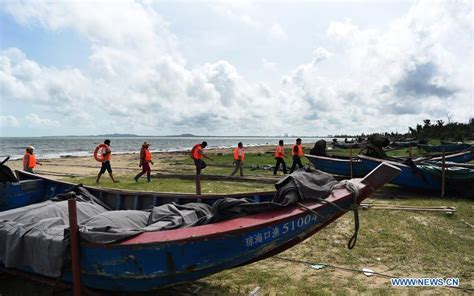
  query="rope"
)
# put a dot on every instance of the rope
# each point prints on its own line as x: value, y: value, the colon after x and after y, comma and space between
x: 347, y: 184
x: 356, y: 270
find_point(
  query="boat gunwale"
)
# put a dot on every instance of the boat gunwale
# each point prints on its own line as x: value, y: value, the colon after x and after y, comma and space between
x: 334, y: 158
x: 246, y: 223
x: 132, y: 193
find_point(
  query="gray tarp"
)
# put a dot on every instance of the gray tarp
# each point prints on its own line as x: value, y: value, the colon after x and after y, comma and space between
x: 36, y: 235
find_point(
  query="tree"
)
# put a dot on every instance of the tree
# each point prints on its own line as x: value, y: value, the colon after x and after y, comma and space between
x: 427, y: 123
x: 439, y: 122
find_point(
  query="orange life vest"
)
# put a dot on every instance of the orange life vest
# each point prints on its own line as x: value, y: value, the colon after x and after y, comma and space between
x: 195, y: 152
x: 280, y: 152
x: 300, y: 150
x: 147, y: 155
x: 31, y: 160
x: 236, y: 154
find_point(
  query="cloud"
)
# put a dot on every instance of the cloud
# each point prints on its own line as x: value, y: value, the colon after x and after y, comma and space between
x: 358, y: 80
x: 35, y: 121
x: 420, y: 82
x: 8, y: 121
x: 270, y: 66
x: 277, y: 32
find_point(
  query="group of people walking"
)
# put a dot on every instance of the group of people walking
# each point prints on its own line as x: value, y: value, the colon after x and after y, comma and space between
x: 103, y: 154
x: 197, y: 154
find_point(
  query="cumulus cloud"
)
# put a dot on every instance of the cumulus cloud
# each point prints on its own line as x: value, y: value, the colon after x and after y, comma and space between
x: 137, y: 80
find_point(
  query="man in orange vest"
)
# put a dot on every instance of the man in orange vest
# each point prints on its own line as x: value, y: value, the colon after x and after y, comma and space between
x: 297, y: 152
x: 197, y: 153
x: 29, y: 160
x: 145, y: 160
x: 239, y: 157
x: 279, y: 155
x: 106, y: 157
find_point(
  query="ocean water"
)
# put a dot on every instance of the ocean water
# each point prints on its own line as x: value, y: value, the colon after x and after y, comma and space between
x: 56, y: 147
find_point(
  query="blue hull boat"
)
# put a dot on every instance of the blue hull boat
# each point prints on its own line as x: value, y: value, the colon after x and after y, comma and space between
x: 157, y: 259
x: 445, y: 148
x: 426, y: 177
x: 342, y: 166
x: 338, y: 165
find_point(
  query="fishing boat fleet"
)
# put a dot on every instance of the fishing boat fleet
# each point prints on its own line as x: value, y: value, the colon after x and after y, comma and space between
x: 133, y: 241
x: 449, y: 173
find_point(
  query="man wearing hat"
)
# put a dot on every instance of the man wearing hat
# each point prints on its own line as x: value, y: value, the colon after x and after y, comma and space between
x: 145, y: 160
x: 29, y: 160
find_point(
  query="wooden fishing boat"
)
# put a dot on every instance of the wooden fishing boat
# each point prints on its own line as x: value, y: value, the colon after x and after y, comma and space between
x: 445, y: 148
x: 427, y: 177
x: 156, y: 259
x: 403, y: 144
x: 339, y: 165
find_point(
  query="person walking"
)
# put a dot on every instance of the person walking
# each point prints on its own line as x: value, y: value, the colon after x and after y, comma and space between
x: 29, y: 160
x: 145, y: 160
x: 279, y: 155
x: 297, y: 152
x: 105, y: 156
x: 197, y: 154
x: 239, y: 157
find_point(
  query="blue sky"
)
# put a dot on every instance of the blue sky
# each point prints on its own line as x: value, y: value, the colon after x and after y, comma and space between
x: 232, y: 68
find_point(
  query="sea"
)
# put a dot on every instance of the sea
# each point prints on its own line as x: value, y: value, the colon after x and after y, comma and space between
x: 57, y: 147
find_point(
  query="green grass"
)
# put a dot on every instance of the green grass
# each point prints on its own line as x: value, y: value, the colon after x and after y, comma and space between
x: 173, y: 185
x: 399, y: 243
x: 222, y: 164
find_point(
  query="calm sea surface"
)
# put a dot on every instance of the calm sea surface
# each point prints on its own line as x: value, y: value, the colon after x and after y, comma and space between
x: 55, y: 147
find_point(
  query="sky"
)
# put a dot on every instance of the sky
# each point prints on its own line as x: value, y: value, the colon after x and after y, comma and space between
x: 233, y: 67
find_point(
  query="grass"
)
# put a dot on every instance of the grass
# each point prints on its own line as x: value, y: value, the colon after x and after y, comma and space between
x: 398, y: 243
x: 173, y: 185
x: 222, y: 163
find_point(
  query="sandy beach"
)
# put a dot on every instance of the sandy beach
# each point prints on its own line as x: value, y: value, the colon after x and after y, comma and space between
x: 128, y: 162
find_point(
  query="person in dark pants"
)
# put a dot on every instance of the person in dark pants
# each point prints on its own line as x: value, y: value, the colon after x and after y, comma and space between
x: 106, y: 157
x: 279, y: 155
x: 197, y: 154
x: 297, y: 152
x: 145, y: 160
x: 239, y: 157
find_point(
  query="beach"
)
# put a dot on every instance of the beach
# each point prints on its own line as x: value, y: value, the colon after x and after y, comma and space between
x: 127, y: 163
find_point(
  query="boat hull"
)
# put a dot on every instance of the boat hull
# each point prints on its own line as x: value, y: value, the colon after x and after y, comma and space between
x: 445, y: 148
x: 409, y: 177
x: 338, y: 166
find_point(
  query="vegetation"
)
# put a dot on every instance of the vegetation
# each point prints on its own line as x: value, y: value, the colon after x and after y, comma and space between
x: 453, y: 131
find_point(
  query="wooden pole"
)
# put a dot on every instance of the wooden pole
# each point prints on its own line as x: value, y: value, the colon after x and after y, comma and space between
x: 410, y: 155
x: 350, y: 162
x: 443, y: 174
x: 197, y: 180
x: 74, y: 240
